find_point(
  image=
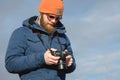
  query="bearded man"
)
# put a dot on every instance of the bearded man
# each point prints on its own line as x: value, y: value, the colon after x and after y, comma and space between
x: 40, y: 49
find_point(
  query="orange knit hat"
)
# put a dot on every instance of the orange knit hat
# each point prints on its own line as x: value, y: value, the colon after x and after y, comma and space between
x: 52, y: 7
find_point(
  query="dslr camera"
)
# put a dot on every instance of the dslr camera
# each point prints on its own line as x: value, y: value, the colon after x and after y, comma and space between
x: 62, y: 61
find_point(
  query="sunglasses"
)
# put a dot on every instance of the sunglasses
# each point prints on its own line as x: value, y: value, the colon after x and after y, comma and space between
x: 51, y: 17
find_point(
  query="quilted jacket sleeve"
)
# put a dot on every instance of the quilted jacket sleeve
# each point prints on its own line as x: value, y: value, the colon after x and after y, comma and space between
x: 15, y: 60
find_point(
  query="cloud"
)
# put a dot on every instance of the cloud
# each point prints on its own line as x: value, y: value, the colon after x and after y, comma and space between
x: 10, y: 6
x: 96, y: 41
x: 99, y: 65
x: 98, y: 26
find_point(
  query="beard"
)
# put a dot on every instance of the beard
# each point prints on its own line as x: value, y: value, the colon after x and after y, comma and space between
x: 48, y: 27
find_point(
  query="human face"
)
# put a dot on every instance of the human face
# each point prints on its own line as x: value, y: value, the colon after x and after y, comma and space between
x: 48, y: 22
x: 50, y: 18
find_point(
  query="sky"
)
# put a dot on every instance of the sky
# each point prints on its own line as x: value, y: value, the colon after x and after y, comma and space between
x: 92, y: 26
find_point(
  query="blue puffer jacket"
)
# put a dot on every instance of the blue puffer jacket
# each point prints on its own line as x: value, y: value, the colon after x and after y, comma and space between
x: 25, y: 53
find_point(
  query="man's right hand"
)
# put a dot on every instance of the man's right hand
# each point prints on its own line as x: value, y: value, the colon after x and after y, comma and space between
x: 49, y: 58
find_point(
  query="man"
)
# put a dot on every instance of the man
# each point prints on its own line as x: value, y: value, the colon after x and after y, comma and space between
x: 40, y: 49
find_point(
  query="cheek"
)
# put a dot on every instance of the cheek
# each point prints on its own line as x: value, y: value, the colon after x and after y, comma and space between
x: 45, y: 21
x: 42, y: 21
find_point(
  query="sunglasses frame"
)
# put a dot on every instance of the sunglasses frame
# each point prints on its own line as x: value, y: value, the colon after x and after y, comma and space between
x: 51, y: 17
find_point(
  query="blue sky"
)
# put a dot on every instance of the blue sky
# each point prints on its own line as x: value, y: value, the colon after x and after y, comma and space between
x: 92, y: 25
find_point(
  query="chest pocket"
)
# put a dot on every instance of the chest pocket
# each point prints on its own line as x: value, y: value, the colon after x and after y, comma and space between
x: 32, y: 39
x: 34, y: 44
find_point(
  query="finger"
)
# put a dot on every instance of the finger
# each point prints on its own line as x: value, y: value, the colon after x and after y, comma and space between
x: 66, y: 50
x: 53, y: 61
x: 50, y: 56
x: 53, y: 49
x: 69, y: 62
x: 54, y: 57
x: 69, y: 56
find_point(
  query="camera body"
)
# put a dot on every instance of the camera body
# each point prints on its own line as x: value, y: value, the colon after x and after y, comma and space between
x: 62, y: 61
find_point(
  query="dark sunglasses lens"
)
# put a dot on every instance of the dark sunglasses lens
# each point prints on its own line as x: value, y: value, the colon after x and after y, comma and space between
x: 52, y: 17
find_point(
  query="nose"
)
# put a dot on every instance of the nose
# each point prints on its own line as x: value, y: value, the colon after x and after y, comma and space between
x: 54, y: 20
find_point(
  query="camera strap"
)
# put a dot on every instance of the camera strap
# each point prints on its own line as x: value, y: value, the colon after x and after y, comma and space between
x: 59, y: 41
x: 38, y: 33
